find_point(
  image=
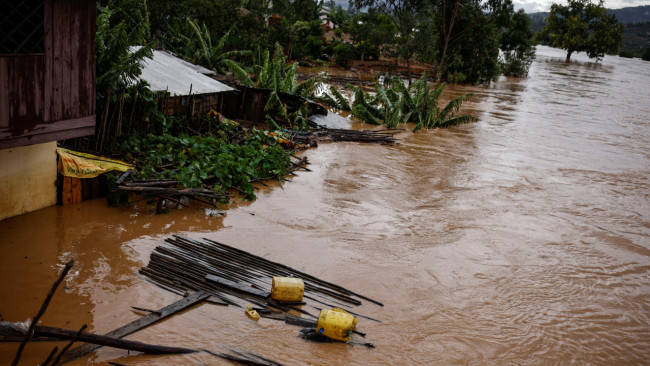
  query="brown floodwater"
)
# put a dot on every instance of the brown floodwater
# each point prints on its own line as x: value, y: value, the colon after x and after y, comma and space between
x: 523, y: 238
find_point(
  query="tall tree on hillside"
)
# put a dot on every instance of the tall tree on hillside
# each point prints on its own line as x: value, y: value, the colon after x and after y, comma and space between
x: 582, y: 26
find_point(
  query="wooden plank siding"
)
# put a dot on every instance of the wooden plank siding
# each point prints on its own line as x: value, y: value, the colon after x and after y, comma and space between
x: 23, y: 76
x: 51, y: 96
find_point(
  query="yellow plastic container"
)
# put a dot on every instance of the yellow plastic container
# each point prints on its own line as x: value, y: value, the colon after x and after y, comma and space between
x: 287, y: 289
x: 252, y: 313
x: 336, y: 324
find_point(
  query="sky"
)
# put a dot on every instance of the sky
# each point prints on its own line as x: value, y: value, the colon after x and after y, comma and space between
x: 532, y: 6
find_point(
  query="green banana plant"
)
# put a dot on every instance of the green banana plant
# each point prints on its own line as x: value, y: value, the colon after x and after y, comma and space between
x: 394, y: 103
x: 276, y: 74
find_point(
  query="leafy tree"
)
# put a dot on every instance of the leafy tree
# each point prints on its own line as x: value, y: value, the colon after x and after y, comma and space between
x: 626, y: 54
x: 306, y: 10
x: 118, y: 68
x: 252, y: 29
x: 406, y: 14
x: 217, y: 15
x: 517, y: 45
x: 344, y: 53
x: 582, y: 26
x: 306, y: 39
x: 470, y: 49
x: 372, y: 28
x: 646, y: 54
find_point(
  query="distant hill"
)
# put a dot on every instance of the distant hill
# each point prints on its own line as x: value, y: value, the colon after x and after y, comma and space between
x: 636, y: 14
x: 637, y: 26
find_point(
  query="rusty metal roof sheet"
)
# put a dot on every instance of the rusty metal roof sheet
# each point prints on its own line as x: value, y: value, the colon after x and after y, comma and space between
x: 167, y: 72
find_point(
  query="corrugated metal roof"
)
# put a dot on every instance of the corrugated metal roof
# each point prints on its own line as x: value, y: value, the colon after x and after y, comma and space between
x: 167, y: 72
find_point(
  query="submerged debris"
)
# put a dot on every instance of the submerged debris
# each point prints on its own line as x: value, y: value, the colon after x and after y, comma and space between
x: 244, y: 357
x: 384, y: 137
x: 321, y: 133
x: 29, y: 331
x: 187, y: 265
x: 245, y: 280
x: 311, y: 334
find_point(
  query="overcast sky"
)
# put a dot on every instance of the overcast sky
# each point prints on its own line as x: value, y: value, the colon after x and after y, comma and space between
x: 531, y: 6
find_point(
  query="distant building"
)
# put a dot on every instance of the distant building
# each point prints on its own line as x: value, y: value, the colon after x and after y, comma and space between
x: 47, y: 93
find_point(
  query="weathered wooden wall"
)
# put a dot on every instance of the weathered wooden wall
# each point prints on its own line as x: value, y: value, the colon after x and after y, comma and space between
x: 51, y: 96
x: 198, y: 106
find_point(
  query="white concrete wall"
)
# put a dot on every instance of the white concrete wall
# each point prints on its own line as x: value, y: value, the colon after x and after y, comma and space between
x: 27, y: 179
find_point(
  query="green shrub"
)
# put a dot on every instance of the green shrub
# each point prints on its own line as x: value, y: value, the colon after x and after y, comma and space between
x: 626, y: 54
x: 646, y: 54
x: 345, y: 53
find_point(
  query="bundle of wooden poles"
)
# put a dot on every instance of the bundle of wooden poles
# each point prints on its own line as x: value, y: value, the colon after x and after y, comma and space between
x: 324, y: 134
x: 237, y: 277
x: 386, y: 137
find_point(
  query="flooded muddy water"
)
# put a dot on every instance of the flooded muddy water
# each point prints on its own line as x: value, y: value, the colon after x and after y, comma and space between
x: 521, y: 239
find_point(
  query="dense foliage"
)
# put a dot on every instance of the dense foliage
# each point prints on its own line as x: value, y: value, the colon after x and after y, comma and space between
x: 517, y: 46
x: 582, y: 26
x: 459, y: 39
x: 121, y: 41
x: 215, y: 162
x: 636, y: 36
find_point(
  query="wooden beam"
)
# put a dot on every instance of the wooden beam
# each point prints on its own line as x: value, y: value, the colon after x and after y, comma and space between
x: 66, y: 191
x: 139, y: 324
x: 40, y: 132
x: 101, y: 340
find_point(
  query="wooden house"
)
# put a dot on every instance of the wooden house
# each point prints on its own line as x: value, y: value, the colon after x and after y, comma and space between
x: 47, y: 93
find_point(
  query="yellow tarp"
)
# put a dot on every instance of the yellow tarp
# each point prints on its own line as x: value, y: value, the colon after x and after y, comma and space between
x: 81, y: 165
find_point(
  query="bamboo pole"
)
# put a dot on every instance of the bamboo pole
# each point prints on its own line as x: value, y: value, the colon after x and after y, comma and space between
x: 66, y: 334
x: 37, y: 317
x: 67, y: 346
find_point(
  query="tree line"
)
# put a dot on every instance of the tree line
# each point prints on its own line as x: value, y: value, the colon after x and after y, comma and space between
x: 461, y: 40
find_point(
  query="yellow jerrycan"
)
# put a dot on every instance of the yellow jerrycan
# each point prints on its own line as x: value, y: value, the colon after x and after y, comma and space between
x: 336, y: 324
x: 287, y: 289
